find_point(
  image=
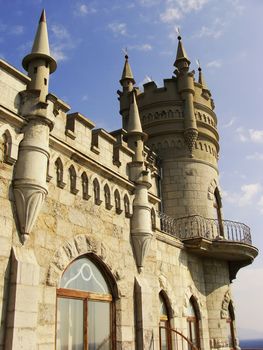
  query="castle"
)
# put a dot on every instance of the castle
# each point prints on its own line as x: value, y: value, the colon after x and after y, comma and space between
x: 114, y: 240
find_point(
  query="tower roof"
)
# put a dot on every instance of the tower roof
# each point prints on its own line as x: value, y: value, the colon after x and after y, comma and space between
x: 40, y: 48
x: 127, y: 72
x: 182, y: 59
x: 134, y: 122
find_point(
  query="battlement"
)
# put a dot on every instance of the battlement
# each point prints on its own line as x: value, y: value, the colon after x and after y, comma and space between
x: 73, y: 136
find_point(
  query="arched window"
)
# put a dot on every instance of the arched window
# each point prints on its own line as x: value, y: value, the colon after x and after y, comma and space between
x: 127, y: 206
x: 217, y: 211
x: 230, y: 321
x: 107, y: 197
x: 85, y: 186
x: 165, y: 327
x: 84, y: 308
x: 153, y: 219
x: 73, y: 180
x: 117, y: 200
x: 96, y: 191
x: 59, y: 173
x: 193, y: 323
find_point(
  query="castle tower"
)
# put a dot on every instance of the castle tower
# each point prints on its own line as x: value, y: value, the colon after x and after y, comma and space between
x: 30, y: 186
x: 182, y: 129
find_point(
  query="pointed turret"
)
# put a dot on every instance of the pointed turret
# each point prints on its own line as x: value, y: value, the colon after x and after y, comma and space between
x: 201, y: 81
x: 127, y: 81
x: 134, y: 122
x: 182, y: 62
x: 135, y: 135
x: 39, y: 62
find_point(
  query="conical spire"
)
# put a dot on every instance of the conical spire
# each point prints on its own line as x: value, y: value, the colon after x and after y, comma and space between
x: 127, y: 72
x: 134, y: 122
x: 202, y: 81
x: 182, y: 61
x: 40, y: 47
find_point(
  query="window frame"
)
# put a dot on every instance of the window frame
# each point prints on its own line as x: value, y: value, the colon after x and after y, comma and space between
x: 85, y: 296
x: 196, y: 324
x: 167, y: 319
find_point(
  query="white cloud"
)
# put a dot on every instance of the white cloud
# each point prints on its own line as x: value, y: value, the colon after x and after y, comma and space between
x: 148, y: 3
x: 251, y: 135
x: 170, y: 15
x: 256, y: 135
x: 61, y: 42
x: 255, y: 156
x: 247, y: 194
x: 84, y: 98
x: 59, y: 31
x: 214, y: 64
x: 118, y: 28
x: 142, y: 47
x: 17, y: 30
x: 209, y: 32
x: 230, y: 123
x: 84, y: 10
x: 191, y: 5
x: 260, y: 204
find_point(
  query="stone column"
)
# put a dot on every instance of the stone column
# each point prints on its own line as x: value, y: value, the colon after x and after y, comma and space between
x: 23, y: 301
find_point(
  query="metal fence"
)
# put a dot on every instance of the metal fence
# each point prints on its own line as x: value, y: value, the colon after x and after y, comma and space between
x: 194, y: 226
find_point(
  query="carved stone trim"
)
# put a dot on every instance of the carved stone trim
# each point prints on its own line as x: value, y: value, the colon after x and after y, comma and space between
x: 225, y: 303
x: 75, y: 247
x: 190, y: 136
x: 141, y: 242
x: 28, y: 199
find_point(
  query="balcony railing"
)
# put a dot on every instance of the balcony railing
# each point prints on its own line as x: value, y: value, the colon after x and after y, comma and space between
x: 194, y: 226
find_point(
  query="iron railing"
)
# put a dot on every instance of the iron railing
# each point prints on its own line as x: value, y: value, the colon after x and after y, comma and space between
x: 175, y: 340
x: 195, y: 226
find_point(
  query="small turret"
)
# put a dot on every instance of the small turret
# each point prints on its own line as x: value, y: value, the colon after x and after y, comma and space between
x: 201, y: 81
x: 39, y: 62
x: 135, y: 135
x: 182, y: 62
x: 127, y: 81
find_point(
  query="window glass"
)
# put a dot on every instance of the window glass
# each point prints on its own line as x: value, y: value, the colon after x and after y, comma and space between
x: 69, y: 324
x: 84, y: 275
x: 99, y: 336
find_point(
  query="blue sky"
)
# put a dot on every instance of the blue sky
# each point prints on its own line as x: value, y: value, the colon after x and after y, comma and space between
x: 87, y: 38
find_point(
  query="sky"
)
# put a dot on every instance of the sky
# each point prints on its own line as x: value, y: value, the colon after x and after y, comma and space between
x: 88, y: 38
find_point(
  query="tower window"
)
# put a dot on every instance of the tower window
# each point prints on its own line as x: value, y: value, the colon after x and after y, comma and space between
x: 45, y: 81
x: 35, y: 70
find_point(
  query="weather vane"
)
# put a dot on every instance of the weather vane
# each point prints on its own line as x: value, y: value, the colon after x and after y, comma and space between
x: 125, y: 51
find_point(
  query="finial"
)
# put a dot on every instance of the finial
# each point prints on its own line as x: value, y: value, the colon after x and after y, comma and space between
x: 198, y: 65
x: 179, y: 33
x: 127, y: 72
x: 43, y: 16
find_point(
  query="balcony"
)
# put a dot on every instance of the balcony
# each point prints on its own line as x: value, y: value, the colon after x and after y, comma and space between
x: 227, y: 240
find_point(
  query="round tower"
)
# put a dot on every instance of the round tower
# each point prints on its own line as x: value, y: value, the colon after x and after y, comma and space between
x: 182, y: 129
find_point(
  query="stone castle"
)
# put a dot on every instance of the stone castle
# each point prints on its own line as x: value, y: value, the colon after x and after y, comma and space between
x: 114, y: 240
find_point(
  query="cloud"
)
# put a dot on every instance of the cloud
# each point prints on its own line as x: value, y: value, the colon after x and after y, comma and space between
x: 118, y: 28
x: 61, y: 42
x: 256, y: 135
x: 85, y: 98
x: 170, y: 15
x: 142, y: 47
x: 17, y: 30
x: 60, y: 31
x: 260, y: 204
x: 230, y: 123
x: 84, y: 10
x: 214, y: 33
x: 251, y: 135
x: 148, y: 3
x: 247, y: 194
x: 214, y: 64
x: 191, y: 5
x: 255, y: 156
